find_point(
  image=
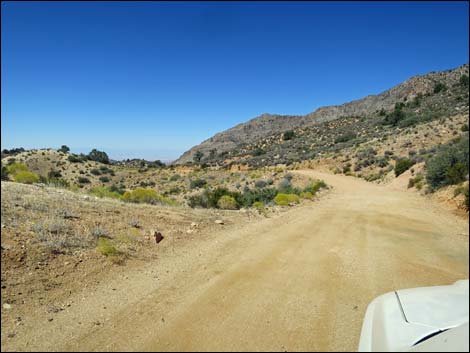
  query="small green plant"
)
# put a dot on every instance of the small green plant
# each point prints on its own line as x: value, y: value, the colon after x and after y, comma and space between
x: 26, y: 177
x: 286, y: 199
x: 227, y: 202
x: 306, y: 195
x: 416, y: 182
x: 106, y: 248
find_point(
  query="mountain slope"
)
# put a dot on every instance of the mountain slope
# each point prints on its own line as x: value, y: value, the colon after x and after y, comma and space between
x: 268, y: 125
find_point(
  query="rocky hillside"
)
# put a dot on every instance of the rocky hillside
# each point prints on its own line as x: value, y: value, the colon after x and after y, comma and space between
x: 225, y: 145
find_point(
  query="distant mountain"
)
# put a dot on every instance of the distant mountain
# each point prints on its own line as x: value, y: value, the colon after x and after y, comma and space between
x: 227, y: 144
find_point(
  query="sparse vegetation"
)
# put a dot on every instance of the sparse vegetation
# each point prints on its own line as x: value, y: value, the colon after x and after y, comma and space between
x: 402, y: 166
x: 450, y: 165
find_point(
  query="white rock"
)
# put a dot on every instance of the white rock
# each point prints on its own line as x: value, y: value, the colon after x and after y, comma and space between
x: 7, y: 306
x: 219, y: 221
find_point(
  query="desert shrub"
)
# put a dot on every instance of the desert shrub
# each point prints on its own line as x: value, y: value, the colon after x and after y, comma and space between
x: 98, y: 156
x: 197, y: 183
x: 416, y: 181
x: 198, y: 156
x: 17, y: 167
x: 57, y: 182
x: 288, y: 135
x: 26, y: 177
x: 450, y: 165
x: 346, y: 137
x: 402, y: 166
x: 314, y: 187
x: 439, y: 87
x: 58, y: 236
x: 102, y: 191
x: 260, y: 184
x: 141, y: 195
x: 120, y: 189
x: 286, y: 199
x: 464, y: 80
x: 464, y: 128
x: 258, y: 152
x: 106, y: 248
x: 5, y: 173
x: 306, y: 195
x: 104, y: 179
x: 258, y: 204
x: 175, y: 177
x: 395, y: 116
x: 83, y: 180
x: 75, y: 159
x: 95, y: 171
x: 145, y: 184
x: 227, y: 203
x: 264, y: 195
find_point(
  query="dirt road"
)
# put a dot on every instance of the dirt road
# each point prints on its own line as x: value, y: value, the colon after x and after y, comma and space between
x: 300, y: 281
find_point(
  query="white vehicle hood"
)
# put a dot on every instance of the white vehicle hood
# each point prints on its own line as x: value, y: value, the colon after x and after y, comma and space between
x: 397, y: 321
x: 440, y: 307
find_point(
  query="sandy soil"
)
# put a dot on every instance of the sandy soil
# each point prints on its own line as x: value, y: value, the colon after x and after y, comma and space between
x: 299, y: 281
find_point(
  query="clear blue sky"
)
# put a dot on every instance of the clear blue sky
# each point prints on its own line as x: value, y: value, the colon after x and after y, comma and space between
x: 152, y: 79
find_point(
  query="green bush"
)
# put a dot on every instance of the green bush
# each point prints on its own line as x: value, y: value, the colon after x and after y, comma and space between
x: 17, y: 167
x: 306, y: 195
x: 95, y: 171
x: 346, y: 137
x: 227, y: 203
x: 104, y: 179
x: 288, y: 135
x: 258, y: 204
x: 5, y: 173
x: 464, y: 80
x: 102, y: 191
x: 417, y: 181
x: 286, y: 199
x: 314, y: 187
x: 150, y: 196
x: 83, y: 180
x: 450, y: 165
x: 75, y: 159
x: 197, y: 183
x: 439, y: 87
x: 106, y: 248
x: 26, y: 177
x: 402, y: 166
x: 175, y: 177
